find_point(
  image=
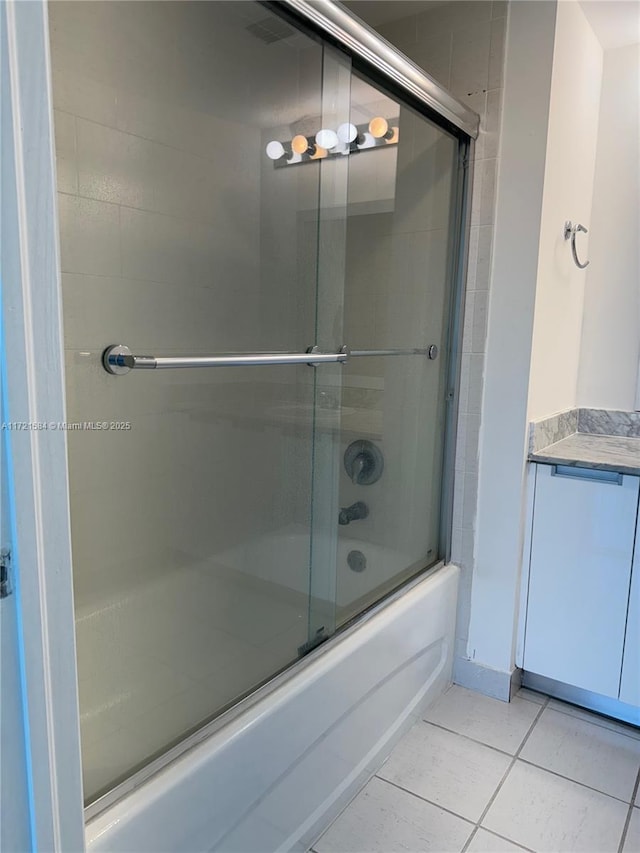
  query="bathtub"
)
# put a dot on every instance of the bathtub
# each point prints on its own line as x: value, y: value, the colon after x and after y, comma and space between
x: 282, y: 558
x: 272, y: 773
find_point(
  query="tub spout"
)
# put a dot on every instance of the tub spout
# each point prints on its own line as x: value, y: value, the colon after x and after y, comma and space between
x: 354, y: 512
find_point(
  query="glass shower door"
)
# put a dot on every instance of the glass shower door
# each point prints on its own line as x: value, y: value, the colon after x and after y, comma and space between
x: 403, y: 228
x: 198, y: 217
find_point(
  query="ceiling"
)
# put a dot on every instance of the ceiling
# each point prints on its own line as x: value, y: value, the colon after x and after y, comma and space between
x: 616, y: 23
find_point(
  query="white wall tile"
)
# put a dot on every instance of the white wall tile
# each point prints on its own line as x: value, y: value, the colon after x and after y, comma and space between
x: 491, y: 123
x: 476, y: 380
x: 156, y: 247
x: 402, y: 33
x: 66, y: 166
x: 83, y: 96
x: 483, y: 200
x: 483, y: 258
x: 470, y: 499
x: 434, y: 55
x: 91, y: 236
x: 117, y: 167
x: 460, y: 14
x: 499, y: 8
x: 496, y: 54
x: 470, y: 60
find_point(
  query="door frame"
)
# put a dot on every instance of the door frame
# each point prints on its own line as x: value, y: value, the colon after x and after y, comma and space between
x: 33, y: 388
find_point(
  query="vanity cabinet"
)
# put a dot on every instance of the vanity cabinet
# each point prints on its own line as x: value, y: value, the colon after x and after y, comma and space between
x: 630, y: 681
x: 581, y: 554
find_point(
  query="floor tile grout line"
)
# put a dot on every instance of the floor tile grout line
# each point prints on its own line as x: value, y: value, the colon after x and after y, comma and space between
x: 596, y: 721
x: 625, y: 829
x: 533, y: 763
x: 503, y: 837
x: 468, y: 737
x: 470, y: 838
x: 507, y: 772
x: 513, y: 759
x: 575, y: 781
x: 425, y: 800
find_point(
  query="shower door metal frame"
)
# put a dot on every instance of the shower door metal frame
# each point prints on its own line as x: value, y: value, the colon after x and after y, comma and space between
x: 336, y: 23
x: 33, y: 388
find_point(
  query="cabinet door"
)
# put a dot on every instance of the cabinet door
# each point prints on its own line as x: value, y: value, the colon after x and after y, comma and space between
x: 630, y: 683
x: 581, y: 552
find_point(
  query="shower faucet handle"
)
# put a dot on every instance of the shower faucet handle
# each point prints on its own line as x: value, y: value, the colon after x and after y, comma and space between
x: 363, y: 462
x: 357, y: 467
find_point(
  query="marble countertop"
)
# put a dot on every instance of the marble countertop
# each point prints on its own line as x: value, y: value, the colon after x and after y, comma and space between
x: 586, y: 450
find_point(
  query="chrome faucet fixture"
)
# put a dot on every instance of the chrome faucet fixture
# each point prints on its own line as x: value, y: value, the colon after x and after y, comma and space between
x: 354, y: 512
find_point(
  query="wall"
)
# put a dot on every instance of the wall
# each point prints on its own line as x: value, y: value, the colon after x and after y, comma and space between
x: 568, y: 191
x: 523, y: 147
x: 611, y: 323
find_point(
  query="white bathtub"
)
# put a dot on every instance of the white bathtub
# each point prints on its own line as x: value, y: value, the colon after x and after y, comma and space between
x: 282, y: 558
x: 275, y: 773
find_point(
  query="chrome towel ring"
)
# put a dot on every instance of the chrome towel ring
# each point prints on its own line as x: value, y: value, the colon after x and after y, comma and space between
x: 570, y: 231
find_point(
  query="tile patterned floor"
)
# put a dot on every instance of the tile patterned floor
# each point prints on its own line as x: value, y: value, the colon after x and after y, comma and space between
x: 482, y: 776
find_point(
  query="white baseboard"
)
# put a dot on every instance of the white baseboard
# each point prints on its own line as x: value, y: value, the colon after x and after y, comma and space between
x: 492, y: 682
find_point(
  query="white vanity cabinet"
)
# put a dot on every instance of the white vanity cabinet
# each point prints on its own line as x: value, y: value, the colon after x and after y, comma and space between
x: 630, y: 681
x: 581, y: 553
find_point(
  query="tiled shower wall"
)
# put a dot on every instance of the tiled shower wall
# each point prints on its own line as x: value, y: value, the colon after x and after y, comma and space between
x: 461, y: 44
x: 158, y: 175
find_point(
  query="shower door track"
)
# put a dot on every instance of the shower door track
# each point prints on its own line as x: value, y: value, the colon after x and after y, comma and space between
x: 339, y: 25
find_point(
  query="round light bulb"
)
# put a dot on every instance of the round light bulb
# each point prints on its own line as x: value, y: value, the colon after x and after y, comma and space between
x: 319, y: 153
x: 395, y: 135
x: 347, y: 132
x: 367, y: 141
x: 275, y: 150
x: 327, y: 138
x: 378, y: 127
x: 300, y: 144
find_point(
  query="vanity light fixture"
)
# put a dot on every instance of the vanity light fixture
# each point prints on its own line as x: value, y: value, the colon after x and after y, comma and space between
x: 301, y: 145
x: 275, y: 150
x: 379, y: 128
x: 327, y: 139
x: 347, y: 139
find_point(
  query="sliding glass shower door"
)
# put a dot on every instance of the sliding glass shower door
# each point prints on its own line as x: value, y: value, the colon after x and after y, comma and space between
x: 257, y: 249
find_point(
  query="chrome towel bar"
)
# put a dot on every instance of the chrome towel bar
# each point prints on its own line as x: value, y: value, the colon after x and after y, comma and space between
x: 570, y: 231
x: 118, y: 359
